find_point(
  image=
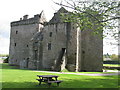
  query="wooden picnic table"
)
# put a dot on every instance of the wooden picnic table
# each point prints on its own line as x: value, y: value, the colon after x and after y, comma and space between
x: 49, y: 79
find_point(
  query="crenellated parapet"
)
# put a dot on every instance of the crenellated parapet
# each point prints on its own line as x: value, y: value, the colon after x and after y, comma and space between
x: 26, y: 21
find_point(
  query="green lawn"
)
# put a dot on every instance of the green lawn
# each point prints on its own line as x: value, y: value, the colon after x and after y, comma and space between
x: 114, y: 65
x: 18, y: 78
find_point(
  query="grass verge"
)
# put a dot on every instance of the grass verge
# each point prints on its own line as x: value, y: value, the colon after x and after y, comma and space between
x: 113, y: 65
x: 19, y: 78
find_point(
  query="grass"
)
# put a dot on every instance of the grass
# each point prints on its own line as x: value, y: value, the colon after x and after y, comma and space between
x: 114, y: 65
x: 18, y: 78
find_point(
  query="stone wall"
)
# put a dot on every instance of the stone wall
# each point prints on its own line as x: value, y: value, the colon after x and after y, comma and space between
x: 21, y: 33
x: 35, y: 51
x: 57, y: 41
x: 20, y: 45
x: 71, y: 46
x: 92, y: 52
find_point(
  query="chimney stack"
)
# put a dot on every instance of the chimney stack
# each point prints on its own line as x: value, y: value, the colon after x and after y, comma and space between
x: 25, y: 17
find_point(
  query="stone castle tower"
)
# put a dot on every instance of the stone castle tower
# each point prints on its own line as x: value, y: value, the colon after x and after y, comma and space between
x: 54, y: 45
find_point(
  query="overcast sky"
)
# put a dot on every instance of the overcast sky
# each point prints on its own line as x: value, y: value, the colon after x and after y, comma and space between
x: 13, y: 10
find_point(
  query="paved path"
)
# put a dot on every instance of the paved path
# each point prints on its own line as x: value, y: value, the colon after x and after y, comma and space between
x: 97, y: 74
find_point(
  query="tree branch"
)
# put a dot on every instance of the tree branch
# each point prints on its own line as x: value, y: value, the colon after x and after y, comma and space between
x: 111, y: 19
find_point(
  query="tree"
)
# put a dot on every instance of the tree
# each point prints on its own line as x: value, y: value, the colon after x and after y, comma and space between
x: 97, y: 16
x: 114, y: 57
x: 87, y: 14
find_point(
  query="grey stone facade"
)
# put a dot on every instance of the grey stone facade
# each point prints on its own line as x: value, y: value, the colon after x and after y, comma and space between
x: 54, y: 45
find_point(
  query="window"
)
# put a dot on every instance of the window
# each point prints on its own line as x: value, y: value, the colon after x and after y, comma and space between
x: 49, y: 46
x: 36, y: 52
x: 16, y: 32
x: 56, y: 27
x: 15, y: 44
x: 50, y: 34
x: 83, y: 52
x: 41, y: 38
x: 27, y: 45
x: 73, y: 28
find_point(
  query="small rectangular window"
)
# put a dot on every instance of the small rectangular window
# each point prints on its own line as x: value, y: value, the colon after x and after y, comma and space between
x: 27, y: 45
x: 56, y: 27
x: 50, y: 34
x: 73, y: 27
x: 36, y: 53
x: 49, y: 46
x: 15, y: 44
x: 16, y: 32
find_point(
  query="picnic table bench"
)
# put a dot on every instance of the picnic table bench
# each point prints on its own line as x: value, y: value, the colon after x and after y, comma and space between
x: 49, y: 79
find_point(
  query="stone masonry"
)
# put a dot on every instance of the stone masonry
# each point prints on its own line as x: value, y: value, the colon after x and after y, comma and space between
x: 54, y: 45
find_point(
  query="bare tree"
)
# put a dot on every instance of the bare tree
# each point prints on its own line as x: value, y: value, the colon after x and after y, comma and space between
x: 98, y: 16
x: 87, y: 14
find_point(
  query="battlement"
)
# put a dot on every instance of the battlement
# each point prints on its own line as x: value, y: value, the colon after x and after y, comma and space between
x: 26, y: 21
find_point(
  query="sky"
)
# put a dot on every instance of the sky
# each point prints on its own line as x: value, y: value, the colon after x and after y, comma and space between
x: 13, y: 10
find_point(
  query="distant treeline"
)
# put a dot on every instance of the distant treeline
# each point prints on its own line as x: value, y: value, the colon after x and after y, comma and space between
x: 112, y: 57
x: 4, y: 55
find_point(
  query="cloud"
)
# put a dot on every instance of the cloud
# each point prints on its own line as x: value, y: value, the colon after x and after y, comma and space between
x: 4, y: 37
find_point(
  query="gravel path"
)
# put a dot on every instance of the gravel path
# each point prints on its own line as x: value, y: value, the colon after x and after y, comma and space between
x: 97, y: 74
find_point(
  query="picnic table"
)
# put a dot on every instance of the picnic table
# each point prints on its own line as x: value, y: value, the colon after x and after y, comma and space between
x: 49, y: 79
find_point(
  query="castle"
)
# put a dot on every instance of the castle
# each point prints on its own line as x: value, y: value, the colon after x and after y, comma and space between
x: 54, y: 45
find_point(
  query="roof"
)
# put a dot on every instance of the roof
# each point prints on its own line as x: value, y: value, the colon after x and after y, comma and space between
x: 57, y: 16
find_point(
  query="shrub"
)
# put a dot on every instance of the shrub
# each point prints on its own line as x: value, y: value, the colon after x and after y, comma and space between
x: 6, y: 60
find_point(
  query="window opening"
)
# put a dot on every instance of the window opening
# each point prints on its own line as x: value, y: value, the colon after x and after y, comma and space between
x: 49, y: 46
x: 56, y: 27
x: 36, y: 54
x: 15, y: 44
x: 16, y: 32
x: 50, y: 34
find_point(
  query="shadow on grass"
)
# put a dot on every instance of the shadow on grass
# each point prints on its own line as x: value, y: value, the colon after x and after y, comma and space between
x: 27, y: 85
x: 6, y: 66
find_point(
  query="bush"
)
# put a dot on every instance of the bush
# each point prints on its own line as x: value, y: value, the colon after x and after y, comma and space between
x: 4, y: 55
x: 6, y: 60
x: 114, y: 57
